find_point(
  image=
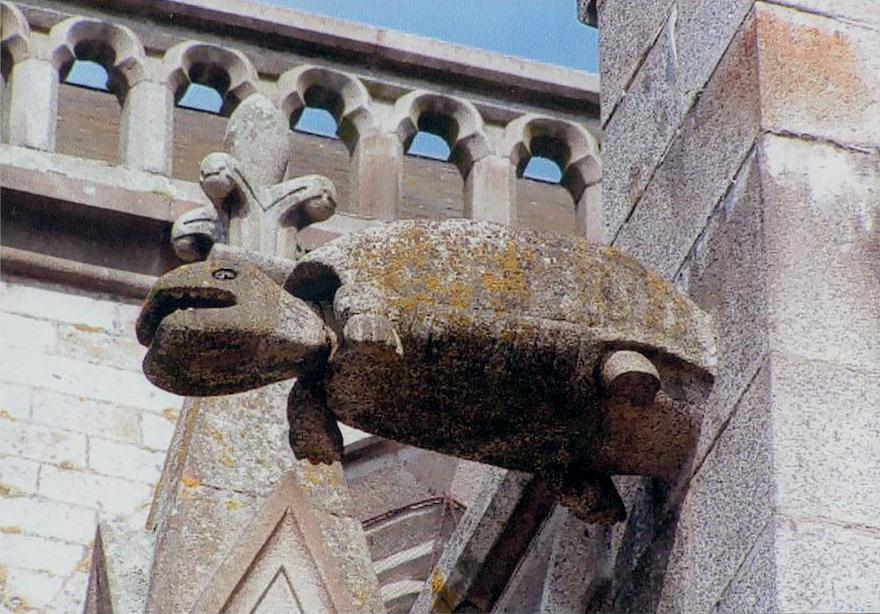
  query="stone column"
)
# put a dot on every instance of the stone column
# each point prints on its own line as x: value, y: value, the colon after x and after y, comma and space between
x: 378, y: 168
x: 757, y: 192
x: 588, y: 214
x: 147, y: 127
x: 490, y: 190
x: 33, y: 104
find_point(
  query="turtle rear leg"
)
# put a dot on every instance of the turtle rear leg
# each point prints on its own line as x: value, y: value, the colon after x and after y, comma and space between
x: 314, y: 433
x: 594, y: 499
x: 630, y: 375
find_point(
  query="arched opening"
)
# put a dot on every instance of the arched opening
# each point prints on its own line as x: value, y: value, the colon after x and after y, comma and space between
x: 90, y: 99
x: 316, y: 128
x: 542, y: 202
x: 543, y: 169
x: 429, y: 145
x: 202, y: 104
x: 88, y: 74
x: 6, y: 62
x: 433, y: 186
x: 317, y: 122
x: 198, y: 97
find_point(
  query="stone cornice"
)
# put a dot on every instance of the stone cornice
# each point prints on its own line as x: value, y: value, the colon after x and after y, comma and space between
x: 339, y: 36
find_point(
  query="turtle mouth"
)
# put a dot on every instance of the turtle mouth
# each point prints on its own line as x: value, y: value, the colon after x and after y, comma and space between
x: 167, y: 301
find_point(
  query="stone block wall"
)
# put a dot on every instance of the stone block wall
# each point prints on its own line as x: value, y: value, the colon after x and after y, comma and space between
x: 741, y: 156
x: 83, y: 435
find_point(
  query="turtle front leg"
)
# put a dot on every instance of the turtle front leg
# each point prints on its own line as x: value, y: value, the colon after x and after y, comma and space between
x: 314, y: 434
x: 358, y: 306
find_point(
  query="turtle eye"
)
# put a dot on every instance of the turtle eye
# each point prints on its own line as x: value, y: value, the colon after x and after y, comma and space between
x: 224, y: 274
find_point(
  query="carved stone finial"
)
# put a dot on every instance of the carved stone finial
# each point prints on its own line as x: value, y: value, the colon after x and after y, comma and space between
x: 251, y: 206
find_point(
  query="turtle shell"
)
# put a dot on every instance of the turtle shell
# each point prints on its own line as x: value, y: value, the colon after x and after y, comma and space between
x: 502, y: 331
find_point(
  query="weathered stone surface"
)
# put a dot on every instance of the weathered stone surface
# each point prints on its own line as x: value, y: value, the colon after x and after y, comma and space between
x: 627, y: 30
x: 640, y: 130
x: 119, y: 575
x: 404, y: 497
x: 703, y: 34
x: 377, y: 175
x: 578, y: 566
x: 280, y: 562
x: 201, y: 528
x: 252, y: 207
x: 825, y: 418
x: 146, y: 128
x: 33, y: 104
x: 278, y: 343
x: 256, y: 136
x: 446, y: 321
x: 821, y: 229
x: 661, y: 577
x: 847, y: 11
x: 383, y: 474
x: 705, y: 156
x: 732, y: 495
x: 229, y: 453
x: 726, y: 274
x: 753, y: 589
x: 483, y: 551
x: 825, y: 567
x: 524, y: 590
x: 819, y: 76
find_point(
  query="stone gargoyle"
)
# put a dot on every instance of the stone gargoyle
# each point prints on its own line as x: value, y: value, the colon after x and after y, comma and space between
x: 530, y: 351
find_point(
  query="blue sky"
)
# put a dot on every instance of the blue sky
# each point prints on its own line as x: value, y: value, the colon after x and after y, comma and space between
x: 542, y: 30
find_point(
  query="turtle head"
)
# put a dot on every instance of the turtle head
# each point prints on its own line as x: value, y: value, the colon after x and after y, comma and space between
x: 219, y: 327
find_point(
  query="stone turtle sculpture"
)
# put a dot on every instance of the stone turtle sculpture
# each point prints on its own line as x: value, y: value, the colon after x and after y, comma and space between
x: 530, y: 351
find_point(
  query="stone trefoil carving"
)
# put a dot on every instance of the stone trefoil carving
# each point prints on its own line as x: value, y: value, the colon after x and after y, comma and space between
x: 251, y: 207
x: 531, y: 351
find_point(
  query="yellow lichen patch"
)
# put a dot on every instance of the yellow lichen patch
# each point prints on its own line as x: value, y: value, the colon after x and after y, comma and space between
x: 217, y: 435
x: 362, y: 598
x: 86, y: 328
x: 170, y: 414
x: 232, y: 505
x: 191, y: 482
x: 7, y: 490
x: 312, y: 475
x: 6, y: 415
x: 86, y: 563
x: 17, y: 604
x: 445, y: 598
x: 11, y: 530
x: 227, y: 461
x: 509, y: 286
x: 438, y: 582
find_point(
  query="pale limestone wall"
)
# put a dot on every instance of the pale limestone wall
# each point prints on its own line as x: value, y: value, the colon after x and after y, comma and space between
x: 742, y: 160
x: 83, y: 437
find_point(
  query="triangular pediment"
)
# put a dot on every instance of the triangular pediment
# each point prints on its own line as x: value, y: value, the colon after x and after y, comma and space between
x: 279, y: 563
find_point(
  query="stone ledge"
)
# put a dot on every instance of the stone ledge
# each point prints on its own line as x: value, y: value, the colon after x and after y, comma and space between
x: 97, y: 184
